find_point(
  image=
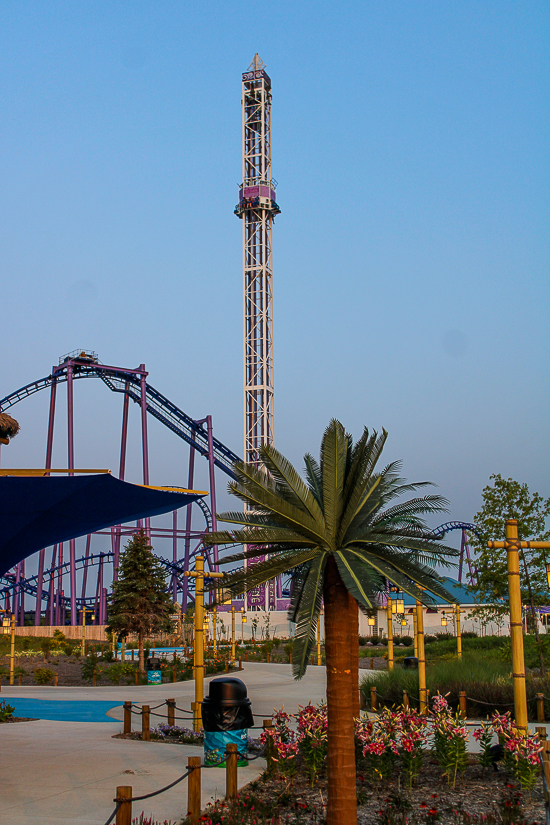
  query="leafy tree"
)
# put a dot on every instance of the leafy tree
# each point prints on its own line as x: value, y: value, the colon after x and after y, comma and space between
x: 508, y: 499
x: 342, y: 536
x: 139, y: 602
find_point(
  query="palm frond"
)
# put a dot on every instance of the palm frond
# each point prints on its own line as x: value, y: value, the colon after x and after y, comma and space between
x: 298, y: 578
x: 314, y: 478
x: 245, y: 579
x: 259, y: 535
x: 289, y: 479
x: 308, y: 615
x: 334, y: 448
x: 358, y: 576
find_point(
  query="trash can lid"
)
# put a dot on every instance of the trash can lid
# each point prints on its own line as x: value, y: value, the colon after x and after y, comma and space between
x: 153, y: 664
x: 227, y: 691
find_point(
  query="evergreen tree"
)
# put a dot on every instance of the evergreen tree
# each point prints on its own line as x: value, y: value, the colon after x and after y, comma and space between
x: 139, y: 601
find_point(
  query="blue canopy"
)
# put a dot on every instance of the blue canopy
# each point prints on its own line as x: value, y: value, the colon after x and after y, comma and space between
x: 38, y: 511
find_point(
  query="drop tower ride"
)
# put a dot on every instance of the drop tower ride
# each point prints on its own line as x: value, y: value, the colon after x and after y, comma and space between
x: 257, y: 208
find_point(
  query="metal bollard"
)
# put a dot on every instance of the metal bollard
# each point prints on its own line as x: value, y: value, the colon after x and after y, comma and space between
x: 269, y: 748
x: 373, y: 699
x: 540, y: 707
x: 145, y: 723
x: 462, y: 704
x: 405, y: 700
x: 231, y: 760
x: 124, y: 813
x: 171, y: 712
x: 127, y: 717
x: 194, y: 788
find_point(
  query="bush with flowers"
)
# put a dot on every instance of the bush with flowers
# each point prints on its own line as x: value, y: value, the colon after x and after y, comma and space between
x: 396, y: 735
x: 449, y: 739
x: 521, y: 751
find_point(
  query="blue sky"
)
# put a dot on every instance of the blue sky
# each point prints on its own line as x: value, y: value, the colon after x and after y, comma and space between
x: 410, y: 142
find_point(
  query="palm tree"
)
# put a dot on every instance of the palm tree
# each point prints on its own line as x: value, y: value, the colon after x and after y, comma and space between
x: 342, y: 538
x: 9, y: 428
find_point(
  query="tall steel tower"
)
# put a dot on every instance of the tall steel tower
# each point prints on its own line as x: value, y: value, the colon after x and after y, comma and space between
x: 257, y: 208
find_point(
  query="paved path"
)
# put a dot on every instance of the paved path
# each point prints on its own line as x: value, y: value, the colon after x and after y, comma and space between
x: 53, y: 772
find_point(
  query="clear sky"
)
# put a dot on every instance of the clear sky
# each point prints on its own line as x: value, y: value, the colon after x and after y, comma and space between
x: 410, y: 142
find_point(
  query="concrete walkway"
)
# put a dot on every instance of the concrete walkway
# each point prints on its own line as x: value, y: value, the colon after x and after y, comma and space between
x: 57, y: 771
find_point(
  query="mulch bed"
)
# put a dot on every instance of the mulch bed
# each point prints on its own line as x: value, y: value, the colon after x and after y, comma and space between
x: 293, y: 802
x: 18, y: 719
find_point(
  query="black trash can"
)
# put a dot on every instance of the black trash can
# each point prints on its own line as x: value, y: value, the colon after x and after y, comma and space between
x: 226, y: 717
x: 410, y: 662
x: 154, y: 675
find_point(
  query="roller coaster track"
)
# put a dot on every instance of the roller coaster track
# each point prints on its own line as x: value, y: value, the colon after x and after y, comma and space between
x: 160, y: 407
x: 29, y: 585
x: 440, y: 531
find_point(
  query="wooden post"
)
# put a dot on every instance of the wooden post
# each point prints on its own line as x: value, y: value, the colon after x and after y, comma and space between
x: 55, y: 680
x: 415, y: 632
x: 362, y: 700
x: 137, y: 678
x: 405, y: 700
x: 462, y: 704
x: 541, y: 733
x: 231, y: 759
x: 171, y: 712
x: 194, y: 788
x: 546, y: 765
x: 312, y: 659
x: 269, y: 748
x: 132, y: 654
x: 227, y: 665
x: 124, y: 813
x: 421, y: 657
x: 145, y: 723
x: 373, y: 699
x: 240, y: 663
x: 94, y: 679
x: 540, y: 707
x: 516, y: 625
x: 371, y: 662
x: 197, y: 716
x: 20, y: 680
x: 246, y: 655
x: 127, y: 717
x: 174, y: 675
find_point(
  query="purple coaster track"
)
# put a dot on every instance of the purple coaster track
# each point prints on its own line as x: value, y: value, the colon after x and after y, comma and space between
x: 47, y: 586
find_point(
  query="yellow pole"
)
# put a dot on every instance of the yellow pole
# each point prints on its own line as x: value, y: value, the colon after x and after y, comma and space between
x: 319, y: 659
x: 390, y: 635
x: 233, y: 633
x: 421, y: 657
x: 415, y: 634
x: 199, y: 635
x: 215, y: 623
x: 83, y: 631
x: 12, y: 648
x: 516, y: 625
x: 458, y: 633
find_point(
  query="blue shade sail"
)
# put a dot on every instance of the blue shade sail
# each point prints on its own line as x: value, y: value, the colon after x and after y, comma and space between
x: 38, y: 511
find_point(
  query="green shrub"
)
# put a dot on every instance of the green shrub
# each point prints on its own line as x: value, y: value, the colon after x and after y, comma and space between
x: 43, y: 675
x: 59, y: 637
x: 6, y: 712
x: 46, y: 646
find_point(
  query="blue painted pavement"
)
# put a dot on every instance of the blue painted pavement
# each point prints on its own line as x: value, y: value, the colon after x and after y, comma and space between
x: 61, y: 711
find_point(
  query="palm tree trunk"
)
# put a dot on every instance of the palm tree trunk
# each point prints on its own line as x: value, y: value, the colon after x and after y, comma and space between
x: 342, y: 797
x: 354, y: 652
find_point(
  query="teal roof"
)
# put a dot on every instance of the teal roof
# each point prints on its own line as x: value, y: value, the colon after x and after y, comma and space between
x: 458, y: 591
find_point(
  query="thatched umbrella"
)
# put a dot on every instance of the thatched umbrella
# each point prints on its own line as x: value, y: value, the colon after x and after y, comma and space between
x: 9, y: 427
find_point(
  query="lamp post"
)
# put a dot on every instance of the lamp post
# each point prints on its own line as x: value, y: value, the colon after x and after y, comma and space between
x: 233, y: 655
x: 458, y: 632
x: 512, y: 544
x: 319, y: 659
x: 198, y: 648
x: 8, y: 626
x: 243, y: 622
x: 421, y: 657
x: 84, y: 611
x: 390, y: 633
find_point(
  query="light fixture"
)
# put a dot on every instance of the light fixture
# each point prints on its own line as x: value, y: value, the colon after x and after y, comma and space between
x: 404, y: 623
x: 400, y: 605
x: 548, y: 573
x: 444, y: 620
x: 372, y: 621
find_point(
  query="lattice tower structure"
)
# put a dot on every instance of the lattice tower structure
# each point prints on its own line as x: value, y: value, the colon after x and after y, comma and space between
x: 257, y: 208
